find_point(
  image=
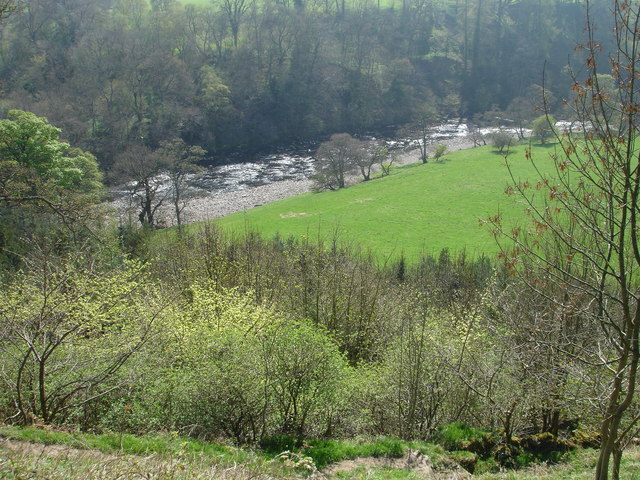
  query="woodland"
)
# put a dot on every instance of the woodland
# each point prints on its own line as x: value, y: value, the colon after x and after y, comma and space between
x: 273, y: 343
x: 247, y: 75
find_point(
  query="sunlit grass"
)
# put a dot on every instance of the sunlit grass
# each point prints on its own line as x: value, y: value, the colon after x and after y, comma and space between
x: 419, y: 209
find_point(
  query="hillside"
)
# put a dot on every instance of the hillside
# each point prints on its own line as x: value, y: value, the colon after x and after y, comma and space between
x: 420, y: 208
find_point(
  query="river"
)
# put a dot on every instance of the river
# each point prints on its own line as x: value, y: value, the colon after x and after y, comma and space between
x: 297, y: 162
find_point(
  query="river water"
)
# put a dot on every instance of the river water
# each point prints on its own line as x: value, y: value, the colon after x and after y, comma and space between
x: 297, y: 162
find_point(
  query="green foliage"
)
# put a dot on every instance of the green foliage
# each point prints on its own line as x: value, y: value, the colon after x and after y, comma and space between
x: 502, y: 140
x: 439, y: 151
x: 543, y: 127
x: 586, y: 438
x: 48, y: 190
x: 227, y: 365
x: 219, y: 77
x: 32, y: 155
x: 66, y: 331
x: 213, y: 93
x: 326, y: 452
x: 467, y: 460
x: 544, y: 445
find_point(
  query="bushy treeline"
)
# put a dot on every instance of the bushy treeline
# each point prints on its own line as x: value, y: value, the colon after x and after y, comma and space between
x: 246, y: 339
x: 240, y: 74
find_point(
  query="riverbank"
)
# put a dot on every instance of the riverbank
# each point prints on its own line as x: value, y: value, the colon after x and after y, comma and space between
x: 225, y: 203
x: 219, y: 204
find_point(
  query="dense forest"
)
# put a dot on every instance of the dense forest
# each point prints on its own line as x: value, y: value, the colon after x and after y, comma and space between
x: 247, y: 74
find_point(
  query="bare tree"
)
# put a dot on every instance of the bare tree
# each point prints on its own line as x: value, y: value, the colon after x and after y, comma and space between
x: 424, y: 118
x: 383, y: 158
x: 181, y: 160
x: 584, y: 233
x: 364, y: 158
x: 66, y: 329
x: 235, y: 10
x: 142, y: 168
x: 336, y: 158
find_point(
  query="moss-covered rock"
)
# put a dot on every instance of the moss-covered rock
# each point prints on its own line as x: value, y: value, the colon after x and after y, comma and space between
x: 543, y: 444
x: 586, y: 438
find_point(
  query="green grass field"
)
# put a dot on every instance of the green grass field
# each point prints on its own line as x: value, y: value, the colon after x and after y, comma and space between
x: 419, y: 209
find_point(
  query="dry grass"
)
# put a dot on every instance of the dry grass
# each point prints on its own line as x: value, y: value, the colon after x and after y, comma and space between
x: 24, y: 460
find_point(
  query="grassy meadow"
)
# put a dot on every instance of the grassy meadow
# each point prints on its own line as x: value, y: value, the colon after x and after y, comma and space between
x: 418, y: 209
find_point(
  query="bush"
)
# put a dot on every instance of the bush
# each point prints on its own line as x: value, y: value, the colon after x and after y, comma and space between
x: 543, y: 444
x: 502, y: 140
x: 279, y: 443
x: 488, y: 465
x: 467, y: 460
x: 460, y: 436
x: 305, y: 373
x: 439, y: 151
x: 228, y: 367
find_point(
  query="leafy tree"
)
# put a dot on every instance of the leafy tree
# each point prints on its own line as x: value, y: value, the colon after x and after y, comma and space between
x: 583, y: 242
x: 45, y: 185
x: 34, y: 161
x: 502, y: 140
x: 543, y: 127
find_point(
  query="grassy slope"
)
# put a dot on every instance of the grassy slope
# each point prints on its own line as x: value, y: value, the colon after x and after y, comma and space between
x: 418, y: 209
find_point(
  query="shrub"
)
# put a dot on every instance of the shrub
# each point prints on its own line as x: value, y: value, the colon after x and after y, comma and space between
x: 460, y: 436
x: 543, y: 444
x: 439, y: 151
x: 467, y: 460
x: 502, y: 140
